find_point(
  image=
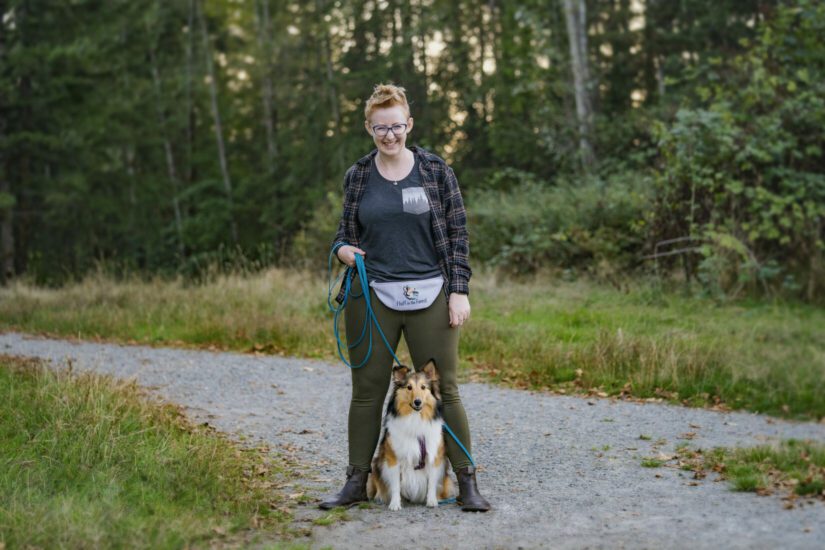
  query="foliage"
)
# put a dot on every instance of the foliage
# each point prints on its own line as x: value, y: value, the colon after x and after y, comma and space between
x: 311, y: 246
x: 743, y: 174
x: 119, y: 144
x: 594, y: 225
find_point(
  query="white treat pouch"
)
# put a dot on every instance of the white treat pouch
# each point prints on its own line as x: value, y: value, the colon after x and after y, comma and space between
x: 408, y: 295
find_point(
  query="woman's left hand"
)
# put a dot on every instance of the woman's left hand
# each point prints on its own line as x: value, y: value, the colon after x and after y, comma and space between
x: 459, y: 309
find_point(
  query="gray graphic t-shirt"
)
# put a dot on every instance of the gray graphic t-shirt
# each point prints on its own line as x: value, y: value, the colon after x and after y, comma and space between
x: 396, y: 233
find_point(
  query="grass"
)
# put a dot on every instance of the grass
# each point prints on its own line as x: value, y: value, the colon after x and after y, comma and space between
x: 332, y: 517
x: 761, y: 356
x: 652, y: 462
x: 570, y: 337
x: 90, y: 462
x: 791, y: 467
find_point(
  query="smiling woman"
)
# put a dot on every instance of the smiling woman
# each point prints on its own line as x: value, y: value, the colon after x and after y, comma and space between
x: 403, y: 213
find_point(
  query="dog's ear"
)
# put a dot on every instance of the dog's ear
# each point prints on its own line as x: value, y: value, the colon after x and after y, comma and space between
x: 399, y: 374
x: 430, y: 370
x: 431, y: 373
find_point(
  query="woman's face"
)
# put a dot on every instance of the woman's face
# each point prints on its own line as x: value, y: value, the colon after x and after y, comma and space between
x: 389, y: 128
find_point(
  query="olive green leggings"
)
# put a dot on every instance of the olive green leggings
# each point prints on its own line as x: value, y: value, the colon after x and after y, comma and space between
x: 429, y: 336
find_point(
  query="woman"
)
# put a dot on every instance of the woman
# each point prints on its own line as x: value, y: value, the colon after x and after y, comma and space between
x: 404, y: 213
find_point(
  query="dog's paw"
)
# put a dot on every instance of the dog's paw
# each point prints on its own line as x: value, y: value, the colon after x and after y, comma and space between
x: 432, y: 502
x: 395, y: 505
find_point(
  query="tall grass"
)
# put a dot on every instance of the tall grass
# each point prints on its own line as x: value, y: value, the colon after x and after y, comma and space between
x: 89, y: 462
x: 540, y: 333
x: 273, y: 311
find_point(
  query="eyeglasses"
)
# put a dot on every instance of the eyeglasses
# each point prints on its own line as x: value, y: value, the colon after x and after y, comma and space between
x: 382, y: 131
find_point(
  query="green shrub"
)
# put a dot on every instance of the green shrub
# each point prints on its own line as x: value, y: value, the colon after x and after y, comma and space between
x: 742, y: 174
x: 310, y: 247
x: 592, y: 225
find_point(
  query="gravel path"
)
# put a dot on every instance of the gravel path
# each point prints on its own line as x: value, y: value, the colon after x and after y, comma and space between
x: 561, y: 472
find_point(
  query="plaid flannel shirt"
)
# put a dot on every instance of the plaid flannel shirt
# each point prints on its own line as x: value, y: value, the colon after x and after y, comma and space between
x: 449, y: 219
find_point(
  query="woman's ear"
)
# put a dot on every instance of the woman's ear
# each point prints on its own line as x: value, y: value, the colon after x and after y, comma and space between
x: 367, y: 127
x: 409, y: 124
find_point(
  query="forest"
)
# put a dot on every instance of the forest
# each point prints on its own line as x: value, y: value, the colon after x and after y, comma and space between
x: 672, y: 139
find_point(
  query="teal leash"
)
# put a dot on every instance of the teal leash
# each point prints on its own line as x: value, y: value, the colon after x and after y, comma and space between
x: 369, y: 322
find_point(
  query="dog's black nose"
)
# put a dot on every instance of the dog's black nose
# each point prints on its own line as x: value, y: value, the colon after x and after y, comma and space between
x: 417, y: 402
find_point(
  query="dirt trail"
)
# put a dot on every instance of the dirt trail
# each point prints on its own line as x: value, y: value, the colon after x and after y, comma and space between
x: 561, y: 472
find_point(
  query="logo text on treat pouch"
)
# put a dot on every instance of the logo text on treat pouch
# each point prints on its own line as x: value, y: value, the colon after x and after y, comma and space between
x: 411, y: 297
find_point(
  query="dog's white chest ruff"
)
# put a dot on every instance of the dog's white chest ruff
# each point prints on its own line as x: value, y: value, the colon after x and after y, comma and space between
x: 406, y: 435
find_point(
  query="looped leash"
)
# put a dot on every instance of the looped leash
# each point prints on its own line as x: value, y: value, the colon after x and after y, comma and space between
x: 370, y: 321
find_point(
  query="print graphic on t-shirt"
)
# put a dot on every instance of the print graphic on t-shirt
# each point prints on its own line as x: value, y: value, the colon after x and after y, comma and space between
x: 415, y: 200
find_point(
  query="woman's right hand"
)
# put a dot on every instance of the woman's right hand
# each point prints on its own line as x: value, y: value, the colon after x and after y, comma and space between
x: 347, y: 254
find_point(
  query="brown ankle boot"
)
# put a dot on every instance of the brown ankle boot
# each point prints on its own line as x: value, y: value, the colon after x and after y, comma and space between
x: 468, y: 495
x: 354, y: 491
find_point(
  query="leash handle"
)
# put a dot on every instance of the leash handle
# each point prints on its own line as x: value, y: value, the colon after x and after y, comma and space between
x: 370, y: 318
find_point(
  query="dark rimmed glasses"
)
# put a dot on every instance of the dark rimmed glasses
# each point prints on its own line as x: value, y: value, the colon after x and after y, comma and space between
x: 382, y: 131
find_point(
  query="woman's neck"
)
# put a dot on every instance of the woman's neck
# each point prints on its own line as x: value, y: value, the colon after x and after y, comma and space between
x: 396, y: 161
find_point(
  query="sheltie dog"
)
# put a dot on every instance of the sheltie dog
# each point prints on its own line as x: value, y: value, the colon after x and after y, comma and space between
x: 411, y: 460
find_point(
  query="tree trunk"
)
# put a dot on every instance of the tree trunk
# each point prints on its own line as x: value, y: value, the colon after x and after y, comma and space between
x: 576, y: 17
x: 190, y: 76
x: 330, y: 84
x: 482, y: 46
x: 6, y: 197
x: 167, y: 146
x: 216, y: 116
x: 265, y: 45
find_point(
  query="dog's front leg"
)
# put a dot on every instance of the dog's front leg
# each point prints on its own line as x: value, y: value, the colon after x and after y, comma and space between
x: 433, y: 479
x: 392, y: 475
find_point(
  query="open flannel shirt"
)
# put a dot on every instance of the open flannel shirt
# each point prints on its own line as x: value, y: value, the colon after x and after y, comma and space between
x: 449, y: 219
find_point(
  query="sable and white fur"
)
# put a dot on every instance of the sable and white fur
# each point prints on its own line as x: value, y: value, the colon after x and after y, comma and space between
x: 413, y: 421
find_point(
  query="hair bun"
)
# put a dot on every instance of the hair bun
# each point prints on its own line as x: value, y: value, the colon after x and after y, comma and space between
x: 384, y: 96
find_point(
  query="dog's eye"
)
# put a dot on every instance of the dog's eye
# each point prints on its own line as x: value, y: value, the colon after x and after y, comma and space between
x: 409, y: 386
x: 423, y: 387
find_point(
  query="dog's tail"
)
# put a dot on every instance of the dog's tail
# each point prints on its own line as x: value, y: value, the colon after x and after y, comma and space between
x: 371, y: 488
x: 447, y: 488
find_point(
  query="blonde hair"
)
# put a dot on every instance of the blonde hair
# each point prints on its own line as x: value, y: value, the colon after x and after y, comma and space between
x: 384, y: 96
